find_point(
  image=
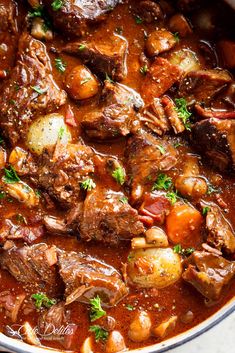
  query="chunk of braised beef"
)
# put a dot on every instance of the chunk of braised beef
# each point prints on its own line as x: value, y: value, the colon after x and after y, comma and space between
x: 107, y: 218
x: 30, y: 89
x: 62, y: 169
x: 214, y: 138
x: 86, y: 277
x: 11, y: 303
x: 75, y: 17
x: 146, y: 156
x: 108, y: 58
x: 160, y: 77
x: 149, y: 11
x: 202, y: 85
x: 115, y: 115
x: 11, y: 231
x: 34, y: 266
x: 220, y: 232
x: 161, y: 116
x: 8, y: 11
x: 55, y: 325
x: 209, y: 273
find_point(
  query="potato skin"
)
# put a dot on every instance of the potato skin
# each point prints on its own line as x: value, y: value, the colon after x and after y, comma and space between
x: 153, y: 267
x: 81, y: 83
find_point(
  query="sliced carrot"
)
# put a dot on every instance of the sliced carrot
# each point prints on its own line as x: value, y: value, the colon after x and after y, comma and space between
x: 183, y: 225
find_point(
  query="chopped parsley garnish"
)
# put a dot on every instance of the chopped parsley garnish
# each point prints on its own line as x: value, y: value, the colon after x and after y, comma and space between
x: 38, y: 194
x: 38, y: 89
x: 10, y: 176
x: 211, y: 189
x: 177, y: 144
x: 61, y: 132
x: 12, y: 102
x: 37, y: 12
x: 60, y: 65
x: 20, y: 218
x: 82, y: 47
x: 184, y: 252
x: 161, y: 149
x: 88, y: 184
x: 87, y: 79
x: 183, y: 113
x: 119, y: 175
x: 130, y: 307
x: 163, y: 182
x: 42, y: 300
x: 96, y: 310
x: 176, y: 36
x: 56, y: 5
x: 107, y: 78
x: 2, y: 194
x: 138, y: 20
x: 123, y: 199
x: 100, y: 333
x: 172, y: 197
x: 205, y: 210
x: 144, y: 70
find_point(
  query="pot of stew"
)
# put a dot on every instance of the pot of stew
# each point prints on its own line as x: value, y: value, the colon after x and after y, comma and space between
x: 117, y: 160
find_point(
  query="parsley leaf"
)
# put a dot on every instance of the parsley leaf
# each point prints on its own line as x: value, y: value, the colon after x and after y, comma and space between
x: 184, y: 252
x: 205, y: 210
x: 163, y: 182
x: 172, y: 197
x: 10, y: 176
x: 56, y: 5
x: 88, y: 184
x: 60, y: 65
x: 211, y: 189
x: 87, y: 79
x: 130, y: 307
x: 119, y: 175
x: 176, y: 36
x: 96, y: 310
x: 37, y: 12
x: 2, y: 194
x: 107, y: 78
x: 39, y: 90
x: 100, y: 333
x: 138, y: 20
x: 42, y: 300
x: 123, y: 199
x: 82, y: 47
x: 183, y: 113
x: 144, y: 70
x: 61, y: 132
x: 161, y: 149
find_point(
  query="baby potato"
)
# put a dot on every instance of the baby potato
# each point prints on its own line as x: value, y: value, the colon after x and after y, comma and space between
x: 45, y: 131
x: 186, y: 59
x: 153, y: 267
x: 140, y: 327
x: 81, y: 83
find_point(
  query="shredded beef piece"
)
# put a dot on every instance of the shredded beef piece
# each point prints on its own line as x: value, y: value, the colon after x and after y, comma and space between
x: 86, y: 277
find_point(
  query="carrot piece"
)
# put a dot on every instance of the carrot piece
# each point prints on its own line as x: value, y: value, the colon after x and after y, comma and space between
x: 183, y: 225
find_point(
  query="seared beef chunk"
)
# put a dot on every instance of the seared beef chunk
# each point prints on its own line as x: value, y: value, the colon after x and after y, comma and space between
x: 161, y: 116
x: 10, y: 231
x: 149, y: 11
x: 108, y: 58
x: 220, y: 232
x: 8, y: 11
x: 203, y: 85
x: 145, y: 160
x: 55, y: 325
x: 62, y: 169
x: 11, y: 303
x: 30, y: 89
x: 214, y: 138
x: 33, y: 265
x: 86, y: 277
x: 106, y: 218
x: 115, y: 115
x: 208, y: 273
x: 74, y: 17
x: 159, y: 78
